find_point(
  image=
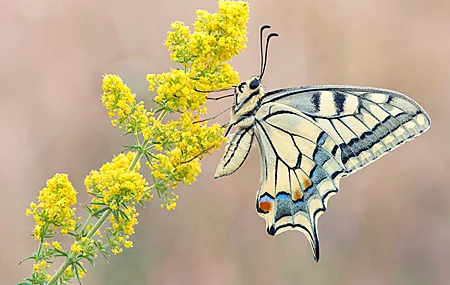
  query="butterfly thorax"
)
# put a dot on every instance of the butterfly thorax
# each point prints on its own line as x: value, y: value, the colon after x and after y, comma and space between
x: 247, y: 103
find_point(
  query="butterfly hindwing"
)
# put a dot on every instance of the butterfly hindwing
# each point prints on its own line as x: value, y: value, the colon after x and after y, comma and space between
x: 301, y: 168
x: 366, y: 122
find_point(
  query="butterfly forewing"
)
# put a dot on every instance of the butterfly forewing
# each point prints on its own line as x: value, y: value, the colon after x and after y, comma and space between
x: 366, y: 122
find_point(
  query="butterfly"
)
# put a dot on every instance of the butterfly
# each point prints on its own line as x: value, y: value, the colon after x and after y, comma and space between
x: 309, y: 138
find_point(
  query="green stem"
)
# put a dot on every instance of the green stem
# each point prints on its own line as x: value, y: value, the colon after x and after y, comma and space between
x: 72, y: 255
x: 104, y: 216
x: 38, y: 255
x: 86, y: 223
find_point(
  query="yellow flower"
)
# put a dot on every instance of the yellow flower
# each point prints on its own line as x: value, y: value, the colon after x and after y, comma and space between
x: 185, y: 143
x: 115, y: 184
x: 41, y: 266
x: 45, y: 244
x: 122, y: 107
x: 171, y: 206
x: 117, y: 250
x: 76, y: 247
x: 70, y: 273
x: 216, y: 39
x: 122, y: 227
x: 56, y: 245
x: 54, y: 209
x: 204, y: 54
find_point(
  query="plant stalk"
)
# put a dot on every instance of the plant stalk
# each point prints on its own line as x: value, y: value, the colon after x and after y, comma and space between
x: 104, y: 216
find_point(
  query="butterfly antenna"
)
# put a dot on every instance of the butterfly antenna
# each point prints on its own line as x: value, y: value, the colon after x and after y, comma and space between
x: 262, y: 45
x: 263, y: 69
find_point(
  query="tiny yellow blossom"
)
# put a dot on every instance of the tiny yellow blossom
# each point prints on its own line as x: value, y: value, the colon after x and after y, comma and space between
x: 171, y: 206
x: 36, y: 267
x: 117, y: 250
x: 45, y: 244
x: 56, y: 245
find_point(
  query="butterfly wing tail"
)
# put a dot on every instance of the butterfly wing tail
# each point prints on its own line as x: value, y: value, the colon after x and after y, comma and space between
x: 301, y: 171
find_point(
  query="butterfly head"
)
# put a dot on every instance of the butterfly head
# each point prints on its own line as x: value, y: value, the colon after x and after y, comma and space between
x: 249, y: 92
x: 252, y: 84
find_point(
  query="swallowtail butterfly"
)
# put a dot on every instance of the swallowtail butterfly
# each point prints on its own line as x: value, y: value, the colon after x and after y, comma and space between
x: 309, y: 138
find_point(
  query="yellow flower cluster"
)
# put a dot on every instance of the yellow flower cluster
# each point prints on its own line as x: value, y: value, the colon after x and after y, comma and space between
x: 204, y: 54
x: 122, y: 227
x: 122, y: 107
x: 115, y: 185
x: 216, y: 39
x: 40, y: 269
x: 176, y: 91
x: 172, y: 149
x: 85, y: 245
x: 42, y: 265
x: 54, y: 208
x: 182, y: 144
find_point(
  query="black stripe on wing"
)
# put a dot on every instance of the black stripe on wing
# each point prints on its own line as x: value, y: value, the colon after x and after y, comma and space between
x: 386, y: 118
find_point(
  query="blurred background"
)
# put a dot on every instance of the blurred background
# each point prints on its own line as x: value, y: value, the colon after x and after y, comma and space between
x: 388, y: 225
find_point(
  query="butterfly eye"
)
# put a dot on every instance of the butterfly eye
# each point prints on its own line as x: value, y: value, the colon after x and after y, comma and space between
x: 241, y: 87
x: 254, y: 84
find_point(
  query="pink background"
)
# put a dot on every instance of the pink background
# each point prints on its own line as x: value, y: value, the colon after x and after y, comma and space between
x: 390, y: 222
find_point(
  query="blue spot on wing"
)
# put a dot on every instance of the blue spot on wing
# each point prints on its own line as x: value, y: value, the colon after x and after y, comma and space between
x: 322, y: 138
x: 317, y: 175
x: 283, y: 196
x: 266, y: 199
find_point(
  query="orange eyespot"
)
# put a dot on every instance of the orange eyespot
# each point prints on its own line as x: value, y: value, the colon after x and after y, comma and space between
x: 265, y: 206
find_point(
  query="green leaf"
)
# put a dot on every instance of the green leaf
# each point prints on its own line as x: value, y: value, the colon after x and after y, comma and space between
x: 116, y: 216
x: 85, y: 207
x: 91, y: 261
x: 104, y: 253
x: 33, y: 256
x: 76, y: 273
x: 98, y: 212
